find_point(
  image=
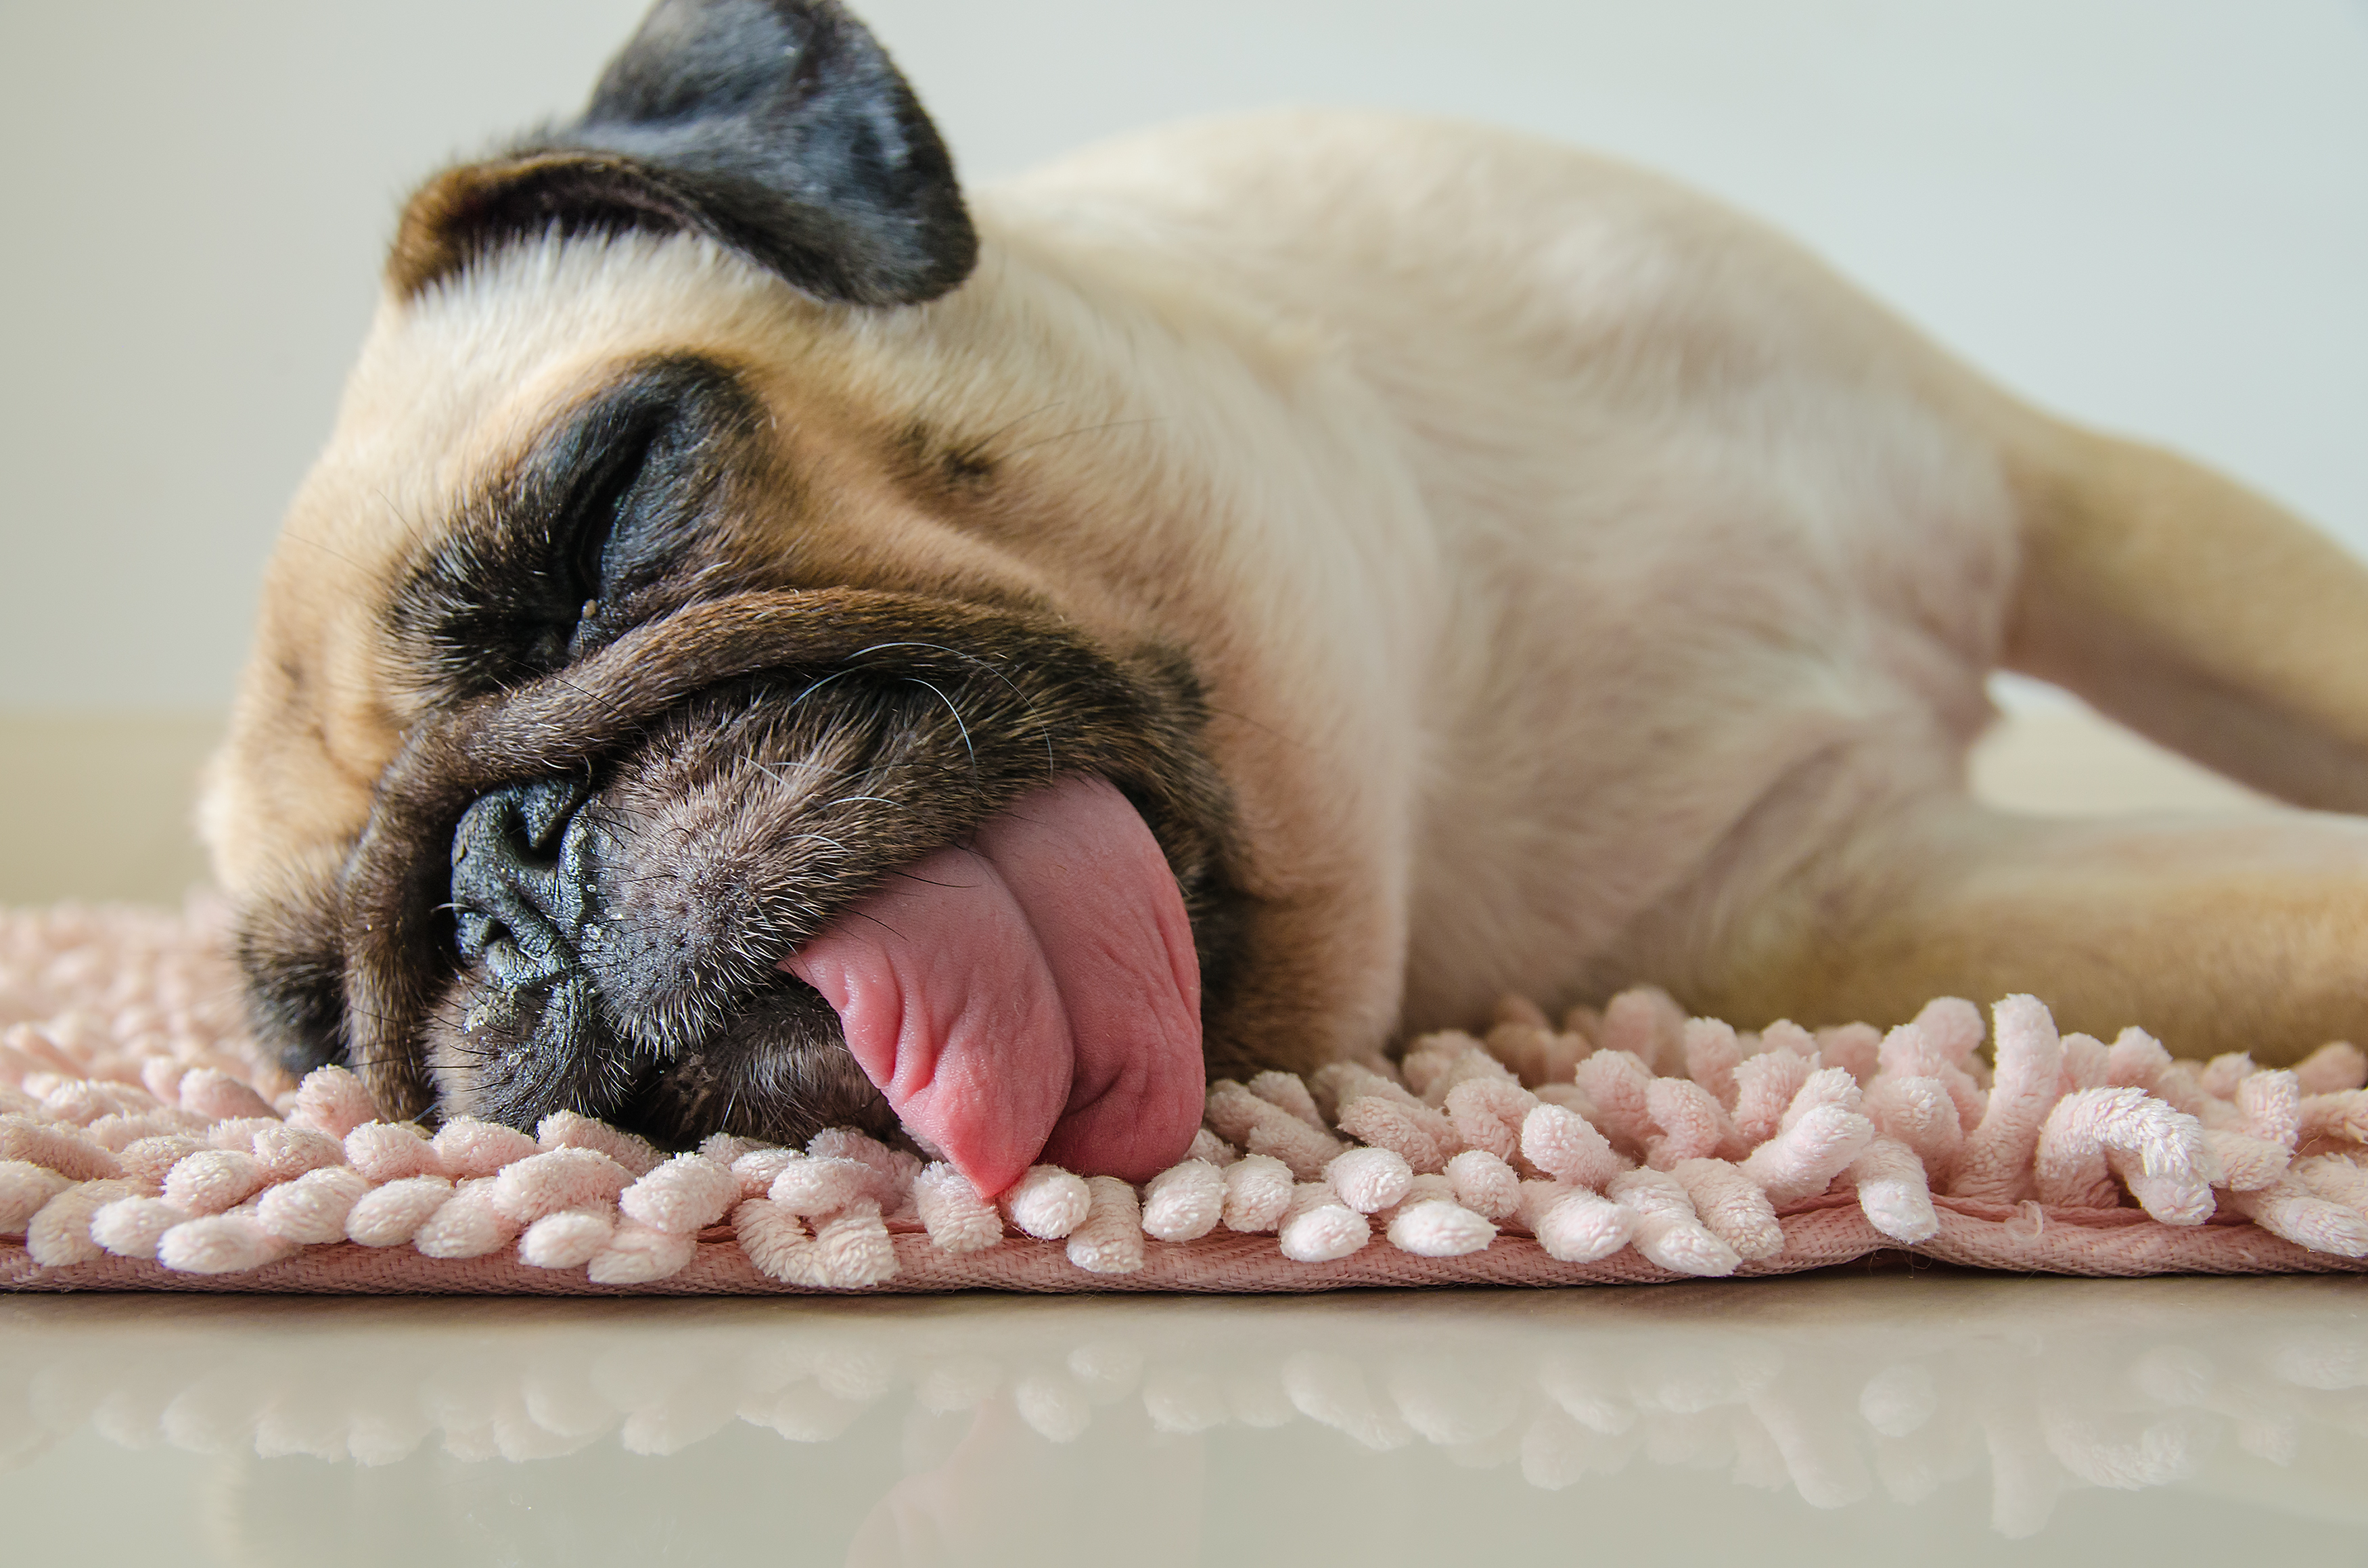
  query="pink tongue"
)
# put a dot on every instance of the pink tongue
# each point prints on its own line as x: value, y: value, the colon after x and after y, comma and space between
x: 1033, y: 997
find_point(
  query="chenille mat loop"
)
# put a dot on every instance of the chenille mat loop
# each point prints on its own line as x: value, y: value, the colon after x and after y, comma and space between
x: 145, y: 1145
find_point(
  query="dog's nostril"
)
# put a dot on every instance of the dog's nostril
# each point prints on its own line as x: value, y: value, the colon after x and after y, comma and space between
x: 488, y: 943
x: 521, y: 879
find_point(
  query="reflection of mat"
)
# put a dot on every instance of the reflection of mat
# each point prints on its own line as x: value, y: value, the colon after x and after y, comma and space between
x: 142, y: 1147
x: 1959, y: 1394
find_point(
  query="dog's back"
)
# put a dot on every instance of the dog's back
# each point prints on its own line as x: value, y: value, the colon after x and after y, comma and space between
x: 1689, y: 556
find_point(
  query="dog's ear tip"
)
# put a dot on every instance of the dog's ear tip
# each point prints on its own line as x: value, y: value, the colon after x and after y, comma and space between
x: 803, y: 149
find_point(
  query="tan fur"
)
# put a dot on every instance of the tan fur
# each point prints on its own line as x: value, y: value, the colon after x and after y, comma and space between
x: 1587, y: 585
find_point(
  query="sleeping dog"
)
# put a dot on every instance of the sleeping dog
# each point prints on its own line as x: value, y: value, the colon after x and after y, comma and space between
x: 776, y: 641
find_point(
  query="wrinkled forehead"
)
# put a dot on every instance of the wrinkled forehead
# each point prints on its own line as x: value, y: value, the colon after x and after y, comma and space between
x: 456, y: 381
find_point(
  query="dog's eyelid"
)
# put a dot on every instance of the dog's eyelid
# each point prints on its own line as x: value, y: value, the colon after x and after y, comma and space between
x: 597, y: 505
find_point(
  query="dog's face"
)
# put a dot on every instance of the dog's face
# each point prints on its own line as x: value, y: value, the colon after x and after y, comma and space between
x: 649, y: 719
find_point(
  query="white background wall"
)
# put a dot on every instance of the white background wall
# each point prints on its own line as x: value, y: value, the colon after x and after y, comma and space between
x: 2149, y: 213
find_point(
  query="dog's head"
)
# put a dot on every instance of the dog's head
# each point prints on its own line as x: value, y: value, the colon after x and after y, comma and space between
x: 652, y: 716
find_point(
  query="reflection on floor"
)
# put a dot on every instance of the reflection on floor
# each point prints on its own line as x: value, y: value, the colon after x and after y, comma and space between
x: 1958, y: 1415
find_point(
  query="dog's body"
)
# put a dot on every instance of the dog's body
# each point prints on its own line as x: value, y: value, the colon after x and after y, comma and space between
x: 1530, y: 577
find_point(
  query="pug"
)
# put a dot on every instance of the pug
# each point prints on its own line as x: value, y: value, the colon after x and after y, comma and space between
x: 777, y: 641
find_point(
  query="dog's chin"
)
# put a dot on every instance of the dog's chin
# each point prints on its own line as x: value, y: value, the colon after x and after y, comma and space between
x: 778, y: 1073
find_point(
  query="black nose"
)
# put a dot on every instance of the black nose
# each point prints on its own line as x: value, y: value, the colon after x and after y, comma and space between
x: 521, y: 897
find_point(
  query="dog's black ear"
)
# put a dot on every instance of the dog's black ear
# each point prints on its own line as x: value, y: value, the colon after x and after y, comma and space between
x: 777, y: 127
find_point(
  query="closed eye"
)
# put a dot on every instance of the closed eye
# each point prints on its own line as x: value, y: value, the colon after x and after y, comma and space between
x: 596, y: 517
x: 557, y: 554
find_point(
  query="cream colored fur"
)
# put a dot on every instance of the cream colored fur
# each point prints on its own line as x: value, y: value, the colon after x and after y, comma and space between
x: 1590, y: 587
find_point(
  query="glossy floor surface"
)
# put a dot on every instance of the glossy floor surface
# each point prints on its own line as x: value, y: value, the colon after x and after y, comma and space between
x: 1934, y: 1416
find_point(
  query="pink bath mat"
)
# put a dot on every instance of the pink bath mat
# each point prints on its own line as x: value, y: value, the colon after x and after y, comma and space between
x: 143, y: 1145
